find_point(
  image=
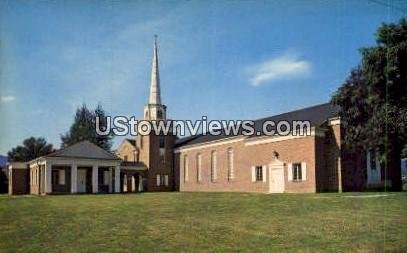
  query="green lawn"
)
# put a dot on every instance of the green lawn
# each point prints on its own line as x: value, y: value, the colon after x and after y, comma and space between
x: 204, y: 222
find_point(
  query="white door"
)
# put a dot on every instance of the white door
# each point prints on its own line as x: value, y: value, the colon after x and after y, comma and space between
x: 277, y: 177
x: 81, y: 186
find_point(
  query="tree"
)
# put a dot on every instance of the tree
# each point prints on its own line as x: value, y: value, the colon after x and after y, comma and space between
x: 373, y: 99
x: 84, y: 128
x: 31, y: 149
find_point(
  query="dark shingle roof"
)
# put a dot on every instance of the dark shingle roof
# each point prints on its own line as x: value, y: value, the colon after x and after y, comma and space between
x: 84, y: 149
x: 317, y: 115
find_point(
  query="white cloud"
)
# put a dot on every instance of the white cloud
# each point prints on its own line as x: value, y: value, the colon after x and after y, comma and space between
x: 6, y: 99
x: 286, y: 67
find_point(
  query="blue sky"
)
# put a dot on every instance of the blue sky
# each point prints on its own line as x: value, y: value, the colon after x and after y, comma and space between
x: 221, y: 59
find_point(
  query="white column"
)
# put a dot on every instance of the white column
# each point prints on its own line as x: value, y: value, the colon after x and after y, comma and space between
x: 110, y: 180
x: 48, y: 171
x: 95, y: 170
x: 117, y: 178
x: 74, y: 177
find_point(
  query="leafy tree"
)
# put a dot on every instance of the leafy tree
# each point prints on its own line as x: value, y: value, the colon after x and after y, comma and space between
x: 373, y: 99
x: 84, y: 128
x: 31, y: 148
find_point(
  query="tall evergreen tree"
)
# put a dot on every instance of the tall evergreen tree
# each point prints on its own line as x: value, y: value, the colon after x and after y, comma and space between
x: 84, y: 128
x: 373, y: 99
x: 31, y: 148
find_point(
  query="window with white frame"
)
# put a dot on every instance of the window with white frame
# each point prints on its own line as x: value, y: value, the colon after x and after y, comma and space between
x: 61, y: 177
x: 158, y: 179
x: 213, y: 166
x: 230, y: 164
x: 297, y: 172
x: 166, y: 180
x: 198, y: 167
x: 185, y: 168
x: 259, y: 173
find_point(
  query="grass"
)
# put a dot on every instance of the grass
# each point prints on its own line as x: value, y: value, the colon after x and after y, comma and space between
x: 204, y: 222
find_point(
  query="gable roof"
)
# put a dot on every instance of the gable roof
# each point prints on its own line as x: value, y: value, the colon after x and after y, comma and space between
x: 84, y: 149
x: 317, y: 115
x: 132, y: 141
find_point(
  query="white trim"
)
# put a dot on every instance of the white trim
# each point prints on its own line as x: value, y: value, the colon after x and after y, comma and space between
x: 289, y: 172
x: 334, y: 121
x: 303, y: 171
x: 48, y: 184
x: 81, y: 162
x: 117, y: 178
x: 210, y: 144
x: 158, y: 180
x: 17, y: 165
x: 95, y: 184
x: 271, y: 139
x: 74, y: 178
x: 264, y: 173
x: 166, y: 180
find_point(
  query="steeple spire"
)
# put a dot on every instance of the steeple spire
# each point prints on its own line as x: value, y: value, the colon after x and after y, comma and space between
x: 155, y: 97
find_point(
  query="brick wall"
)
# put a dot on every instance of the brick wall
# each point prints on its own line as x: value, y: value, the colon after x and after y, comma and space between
x: 19, y: 183
x: 246, y: 156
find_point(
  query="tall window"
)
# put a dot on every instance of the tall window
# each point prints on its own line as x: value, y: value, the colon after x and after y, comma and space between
x: 185, y: 168
x: 213, y: 166
x: 297, y: 172
x: 126, y: 158
x: 162, y: 145
x: 259, y: 173
x: 198, y: 167
x: 162, y: 141
x: 230, y: 164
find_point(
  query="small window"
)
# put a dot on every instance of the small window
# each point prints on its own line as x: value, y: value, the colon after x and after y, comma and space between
x: 158, y: 179
x: 61, y: 177
x: 159, y: 114
x: 259, y: 173
x: 126, y: 158
x: 166, y: 180
x: 297, y: 171
x: 162, y: 180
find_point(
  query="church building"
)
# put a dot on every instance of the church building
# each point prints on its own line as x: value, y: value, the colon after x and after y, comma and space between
x: 317, y: 162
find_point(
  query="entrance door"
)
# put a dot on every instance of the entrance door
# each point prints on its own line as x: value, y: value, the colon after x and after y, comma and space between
x: 277, y: 177
x: 81, y: 186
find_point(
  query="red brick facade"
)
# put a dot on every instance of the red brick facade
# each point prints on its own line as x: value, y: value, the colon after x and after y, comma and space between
x: 328, y: 166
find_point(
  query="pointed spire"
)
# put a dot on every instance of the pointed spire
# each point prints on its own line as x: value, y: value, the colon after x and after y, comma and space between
x: 155, y: 97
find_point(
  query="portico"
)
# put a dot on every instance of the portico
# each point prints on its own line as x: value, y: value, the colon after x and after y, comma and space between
x: 80, y: 168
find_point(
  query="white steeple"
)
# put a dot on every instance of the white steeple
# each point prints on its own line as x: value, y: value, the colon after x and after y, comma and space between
x: 154, y: 110
x: 155, y: 97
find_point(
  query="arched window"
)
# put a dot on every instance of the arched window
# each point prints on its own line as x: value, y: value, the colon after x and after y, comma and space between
x: 198, y: 167
x: 185, y: 168
x: 213, y: 166
x: 230, y: 164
